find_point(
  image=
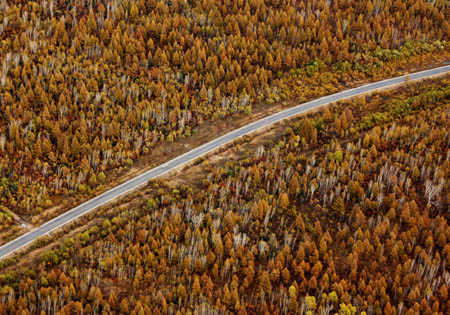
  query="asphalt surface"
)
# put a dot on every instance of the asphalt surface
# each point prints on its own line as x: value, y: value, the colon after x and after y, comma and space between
x: 142, y: 179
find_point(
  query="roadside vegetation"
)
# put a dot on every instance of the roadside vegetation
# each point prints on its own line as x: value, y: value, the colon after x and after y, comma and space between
x: 346, y: 212
x: 87, y: 87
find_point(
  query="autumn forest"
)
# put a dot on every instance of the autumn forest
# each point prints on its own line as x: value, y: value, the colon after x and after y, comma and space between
x: 344, y: 210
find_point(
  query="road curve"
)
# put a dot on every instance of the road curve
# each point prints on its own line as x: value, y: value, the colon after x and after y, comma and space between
x: 142, y: 179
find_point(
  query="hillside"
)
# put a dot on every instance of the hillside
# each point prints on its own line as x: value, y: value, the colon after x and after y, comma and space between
x: 345, y: 211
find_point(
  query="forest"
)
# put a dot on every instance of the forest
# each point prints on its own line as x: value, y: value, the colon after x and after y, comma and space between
x: 90, y: 86
x: 345, y: 212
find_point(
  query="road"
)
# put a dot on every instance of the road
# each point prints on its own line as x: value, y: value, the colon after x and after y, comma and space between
x: 142, y: 179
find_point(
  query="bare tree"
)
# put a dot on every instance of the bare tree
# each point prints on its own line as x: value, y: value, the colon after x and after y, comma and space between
x: 432, y: 190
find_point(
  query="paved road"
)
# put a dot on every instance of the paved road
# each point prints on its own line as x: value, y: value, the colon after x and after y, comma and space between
x: 142, y: 179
